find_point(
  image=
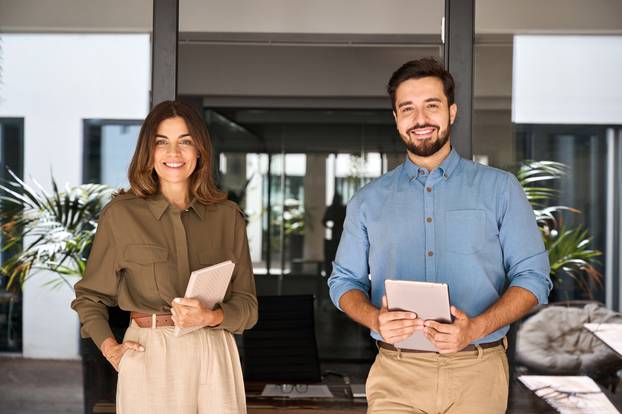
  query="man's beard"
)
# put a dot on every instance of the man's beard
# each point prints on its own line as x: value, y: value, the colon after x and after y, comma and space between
x: 426, y: 149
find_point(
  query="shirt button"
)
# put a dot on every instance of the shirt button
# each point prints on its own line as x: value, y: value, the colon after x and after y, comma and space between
x: 429, y: 219
x: 430, y: 253
x: 429, y: 189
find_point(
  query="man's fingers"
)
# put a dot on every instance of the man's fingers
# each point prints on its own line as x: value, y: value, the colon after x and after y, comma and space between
x: 440, y: 327
x: 438, y: 337
x: 397, y: 335
x: 458, y: 313
x: 397, y: 315
x: 406, y: 331
x: 401, y: 323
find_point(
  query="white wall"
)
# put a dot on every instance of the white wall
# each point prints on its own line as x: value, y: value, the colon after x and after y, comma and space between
x: 54, y: 82
x: 567, y: 80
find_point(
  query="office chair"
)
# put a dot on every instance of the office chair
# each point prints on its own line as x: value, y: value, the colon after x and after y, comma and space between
x: 554, y: 342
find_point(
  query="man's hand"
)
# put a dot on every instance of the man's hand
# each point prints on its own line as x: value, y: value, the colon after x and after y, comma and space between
x: 114, y: 351
x: 190, y: 312
x: 395, y: 326
x: 452, y: 337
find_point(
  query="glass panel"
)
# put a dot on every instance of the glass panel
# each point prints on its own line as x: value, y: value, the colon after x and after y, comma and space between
x: 306, y: 193
x: 11, y: 157
x: 108, y: 149
x: 531, y: 103
x: 583, y: 149
x: 293, y: 182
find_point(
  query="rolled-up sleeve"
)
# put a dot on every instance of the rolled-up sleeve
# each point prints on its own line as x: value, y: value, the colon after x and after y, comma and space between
x: 525, y: 258
x: 97, y: 290
x: 351, y: 265
x: 240, y: 309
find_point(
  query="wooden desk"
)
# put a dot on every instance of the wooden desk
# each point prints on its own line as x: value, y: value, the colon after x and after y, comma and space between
x: 341, y: 402
x: 521, y: 401
x: 524, y: 401
x: 256, y: 404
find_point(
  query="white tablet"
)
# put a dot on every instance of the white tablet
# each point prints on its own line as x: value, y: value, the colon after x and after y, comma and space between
x: 430, y: 301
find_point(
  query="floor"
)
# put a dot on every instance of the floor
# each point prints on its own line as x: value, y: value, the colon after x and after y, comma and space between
x: 55, y: 387
x: 31, y: 386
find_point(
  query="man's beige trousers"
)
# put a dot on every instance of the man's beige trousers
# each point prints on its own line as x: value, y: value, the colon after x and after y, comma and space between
x: 461, y: 383
x: 196, y: 373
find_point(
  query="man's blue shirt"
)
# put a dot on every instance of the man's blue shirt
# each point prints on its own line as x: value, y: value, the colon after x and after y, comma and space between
x: 464, y: 224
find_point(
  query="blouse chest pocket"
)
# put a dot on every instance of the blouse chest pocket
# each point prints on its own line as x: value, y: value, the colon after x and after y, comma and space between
x: 142, y: 261
x: 464, y: 231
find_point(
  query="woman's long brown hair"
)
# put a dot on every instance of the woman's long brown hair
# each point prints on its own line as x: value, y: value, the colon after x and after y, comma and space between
x: 142, y: 176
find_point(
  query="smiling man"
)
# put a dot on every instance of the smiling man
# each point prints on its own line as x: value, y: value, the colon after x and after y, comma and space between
x: 439, y: 218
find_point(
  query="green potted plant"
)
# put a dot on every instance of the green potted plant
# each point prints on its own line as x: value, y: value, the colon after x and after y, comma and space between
x: 53, y: 231
x: 569, y: 248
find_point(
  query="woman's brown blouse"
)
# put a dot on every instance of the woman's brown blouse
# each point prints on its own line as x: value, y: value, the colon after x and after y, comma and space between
x: 144, y: 251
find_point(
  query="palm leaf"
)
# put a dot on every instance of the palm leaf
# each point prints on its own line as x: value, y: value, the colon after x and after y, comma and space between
x: 569, y: 249
x: 54, y: 229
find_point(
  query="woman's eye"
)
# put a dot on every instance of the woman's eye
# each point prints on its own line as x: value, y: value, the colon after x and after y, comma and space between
x: 186, y: 142
x: 160, y: 142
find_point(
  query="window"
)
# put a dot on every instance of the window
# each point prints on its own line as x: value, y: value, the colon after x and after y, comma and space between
x: 108, y: 149
x: 11, y: 158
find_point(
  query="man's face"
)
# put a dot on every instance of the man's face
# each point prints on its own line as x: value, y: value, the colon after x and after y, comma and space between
x: 422, y: 115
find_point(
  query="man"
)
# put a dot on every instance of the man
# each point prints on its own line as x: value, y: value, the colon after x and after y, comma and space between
x: 439, y: 218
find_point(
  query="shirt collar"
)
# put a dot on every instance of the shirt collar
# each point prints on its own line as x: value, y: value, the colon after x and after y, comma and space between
x: 449, y: 164
x: 158, y: 205
x: 447, y: 167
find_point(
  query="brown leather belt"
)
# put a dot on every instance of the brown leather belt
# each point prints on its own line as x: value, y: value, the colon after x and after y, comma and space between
x: 468, y: 347
x: 149, y: 320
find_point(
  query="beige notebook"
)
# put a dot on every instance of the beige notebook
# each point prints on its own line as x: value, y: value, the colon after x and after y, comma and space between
x: 209, y: 285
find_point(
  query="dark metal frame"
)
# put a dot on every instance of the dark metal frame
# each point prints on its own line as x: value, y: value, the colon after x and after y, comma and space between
x: 459, y: 37
x: 164, y: 51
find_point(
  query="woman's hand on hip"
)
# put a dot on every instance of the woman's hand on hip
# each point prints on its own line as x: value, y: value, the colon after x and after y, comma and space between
x: 114, y: 351
x: 190, y: 312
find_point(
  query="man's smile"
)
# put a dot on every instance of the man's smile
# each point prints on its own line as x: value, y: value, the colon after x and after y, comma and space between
x: 422, y: 132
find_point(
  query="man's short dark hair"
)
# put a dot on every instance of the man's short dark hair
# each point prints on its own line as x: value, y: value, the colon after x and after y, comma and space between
x: 422, y: 68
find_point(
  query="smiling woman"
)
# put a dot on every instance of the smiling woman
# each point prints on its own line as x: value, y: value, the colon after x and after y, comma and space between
x: 175, y: 157
x: 172, y: 221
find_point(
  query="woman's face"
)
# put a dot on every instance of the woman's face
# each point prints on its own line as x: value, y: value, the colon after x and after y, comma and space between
x: 175, y: 154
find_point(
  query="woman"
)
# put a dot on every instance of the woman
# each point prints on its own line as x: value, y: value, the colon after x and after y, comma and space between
x: 171, y: 221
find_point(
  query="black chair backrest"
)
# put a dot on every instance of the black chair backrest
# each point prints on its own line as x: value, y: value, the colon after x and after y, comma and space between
x: 282, y: 348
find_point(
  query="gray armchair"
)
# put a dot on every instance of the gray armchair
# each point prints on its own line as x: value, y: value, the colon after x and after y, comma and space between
x: 554, y: 342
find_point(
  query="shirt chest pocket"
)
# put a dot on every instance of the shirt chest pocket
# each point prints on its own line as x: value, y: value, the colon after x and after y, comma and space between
x: 464, y: 231
x: 144, y: 262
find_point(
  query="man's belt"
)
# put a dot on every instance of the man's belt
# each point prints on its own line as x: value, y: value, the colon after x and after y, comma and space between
x: 470, y: 347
